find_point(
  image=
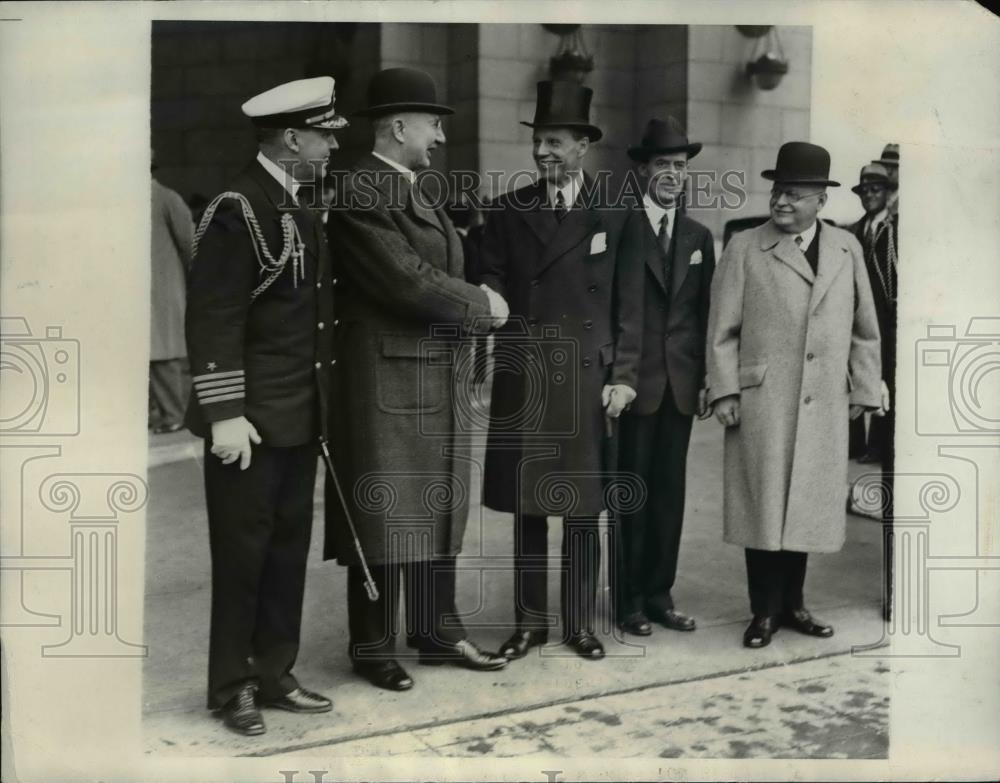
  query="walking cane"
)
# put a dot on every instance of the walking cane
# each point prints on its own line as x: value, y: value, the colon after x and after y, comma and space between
x: 370, y: 587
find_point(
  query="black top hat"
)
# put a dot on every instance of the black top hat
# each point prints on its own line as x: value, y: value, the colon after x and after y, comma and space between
x: 800, y: 162
x: 402, y: 89
x: 661, y: 137
x: 562, y: 104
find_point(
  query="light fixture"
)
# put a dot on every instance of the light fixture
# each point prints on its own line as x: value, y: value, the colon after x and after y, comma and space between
x: 768, y: 64
x: 572, y: 62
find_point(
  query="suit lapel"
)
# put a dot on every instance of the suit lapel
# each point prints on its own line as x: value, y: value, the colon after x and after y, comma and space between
x: 833, y: 255
x: 654, y: 257
x: 538, y: 218
x: 783, y: 247
x: 417, y: 203
x: 577, y: 226
x: 682, y: 248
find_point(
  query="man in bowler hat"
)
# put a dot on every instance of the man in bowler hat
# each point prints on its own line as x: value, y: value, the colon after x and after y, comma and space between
x: 793, y: 348
x: 400, y: 452
x: 678, y: 259
x: 258, y: 340
x: 566, y: 364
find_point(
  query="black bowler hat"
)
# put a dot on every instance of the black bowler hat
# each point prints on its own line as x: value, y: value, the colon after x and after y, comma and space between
x: 662, y: 137
x: 562, y: 104
x: 801, y: 163
x: 402, y: 89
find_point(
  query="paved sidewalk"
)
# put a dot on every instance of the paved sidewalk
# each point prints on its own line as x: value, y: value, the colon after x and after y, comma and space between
x: 671, y: 687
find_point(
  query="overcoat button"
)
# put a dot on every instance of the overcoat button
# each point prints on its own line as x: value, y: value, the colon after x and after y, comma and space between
x: 808, y: 400
x: 588, y: 324
x: 810, y: 357
x: 586, y: 362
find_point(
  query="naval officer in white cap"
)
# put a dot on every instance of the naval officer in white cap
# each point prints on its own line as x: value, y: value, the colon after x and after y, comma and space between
x: 258, y: 323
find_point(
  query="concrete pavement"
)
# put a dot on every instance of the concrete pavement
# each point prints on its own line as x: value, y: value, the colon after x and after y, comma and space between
x: 800, y: 697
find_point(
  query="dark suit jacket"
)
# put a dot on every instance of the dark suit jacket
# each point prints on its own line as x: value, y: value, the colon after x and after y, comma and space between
x: 675, y: 316
x: 268, y: 359
x: 876, y: 259
x: 575, y: 293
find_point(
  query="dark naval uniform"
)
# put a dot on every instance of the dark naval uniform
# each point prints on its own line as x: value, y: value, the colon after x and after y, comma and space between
x: 259, y: 341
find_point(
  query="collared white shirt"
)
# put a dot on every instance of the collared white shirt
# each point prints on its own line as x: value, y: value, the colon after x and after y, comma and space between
x: 399, y: 167
x: 286, y: 180
x: 655, y: 213
x: 570, y: 190
x: 807, y: 237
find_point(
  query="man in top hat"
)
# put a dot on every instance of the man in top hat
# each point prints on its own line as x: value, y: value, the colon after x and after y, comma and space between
x: 890, y: 160
x: 679, y: 259
x: 257, y: 324
x: 566, y: 364
x: 793, y: 346
x: 878, y: 234
x: 401, y: 448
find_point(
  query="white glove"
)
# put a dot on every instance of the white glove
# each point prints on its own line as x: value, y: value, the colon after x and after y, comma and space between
x: 499, y: 310
x: 231, y: 439
x: 616, y: 398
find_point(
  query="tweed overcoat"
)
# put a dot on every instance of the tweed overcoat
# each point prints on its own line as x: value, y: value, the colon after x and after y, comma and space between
x: 399, y: 444
x: 798, y: 349
x: 575, y: 293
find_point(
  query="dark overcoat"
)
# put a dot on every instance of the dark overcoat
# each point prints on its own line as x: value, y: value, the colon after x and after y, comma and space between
x: 266, y: 358
x: 675, y: 316
x: 574, y: 287
x: 882, y: 275
x: 400, y: 445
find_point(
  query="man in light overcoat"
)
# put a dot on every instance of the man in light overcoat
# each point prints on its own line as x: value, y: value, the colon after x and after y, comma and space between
x: 399, y: 448
x: 793, y: 348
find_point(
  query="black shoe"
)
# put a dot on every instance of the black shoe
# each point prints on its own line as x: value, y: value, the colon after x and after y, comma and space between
x: 758, y: 633
x: 520, y: 642
x: 586, y: 645
x: 803, y: 622
x: 384, y: 674
x: 672, y: 619
x: 636, y: 624
x: 466, y: 655
x: 241, y: 714
x: 300, y: 700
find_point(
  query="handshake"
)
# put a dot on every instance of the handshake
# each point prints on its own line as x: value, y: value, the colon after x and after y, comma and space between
x: 499, y: 310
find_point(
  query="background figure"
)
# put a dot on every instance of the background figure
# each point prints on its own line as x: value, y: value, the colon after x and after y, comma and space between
x: 793, y: 348
x: 679, y: 261
x: 890, y: 159
x: 172, y: 236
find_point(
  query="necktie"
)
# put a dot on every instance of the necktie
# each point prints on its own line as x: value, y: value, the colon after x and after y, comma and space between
x: 664, y: 238
x: 560, y: 206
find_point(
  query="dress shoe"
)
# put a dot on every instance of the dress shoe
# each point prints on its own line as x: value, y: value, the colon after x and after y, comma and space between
x: 384, y: 674
x: 466, y: 655
x: 758, y: 633
x: 672, y: 619
x: 241, y: 714
x: 520, y: 642
x: 300, y: 700
x: 803, y: 622
x: 586, y: 645
x: 636, y: 624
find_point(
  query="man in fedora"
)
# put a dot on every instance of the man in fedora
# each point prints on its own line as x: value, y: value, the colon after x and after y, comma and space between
x: 258, y: 341
x: 793, y: 347
x: 890, y: 160
x: 400, y: 451
x: 679, y: 259
x: 566, y: 364
x: 877, y: 232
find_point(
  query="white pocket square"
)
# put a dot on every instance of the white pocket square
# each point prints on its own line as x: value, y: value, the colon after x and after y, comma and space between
x: 696, y: 257
x: 599, y: 243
